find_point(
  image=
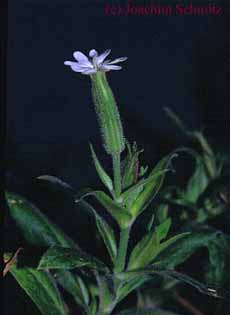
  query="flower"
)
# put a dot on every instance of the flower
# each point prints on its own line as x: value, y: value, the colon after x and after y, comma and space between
x: 94, y: 63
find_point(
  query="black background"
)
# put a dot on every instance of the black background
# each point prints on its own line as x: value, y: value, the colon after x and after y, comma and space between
x: 182, y: 62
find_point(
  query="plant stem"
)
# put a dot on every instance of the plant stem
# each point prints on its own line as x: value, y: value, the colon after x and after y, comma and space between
x: 122, y: 251
x: 117, y: 174
x: 187, y: 305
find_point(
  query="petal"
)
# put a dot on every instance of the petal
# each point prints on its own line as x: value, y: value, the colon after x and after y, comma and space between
x: 76, y: 66
x: 102, y: 57
x: 93, y: 53
x: 107, y: 67
x: 118, y: 60
x: 80, y: 57
x: 89, y: 71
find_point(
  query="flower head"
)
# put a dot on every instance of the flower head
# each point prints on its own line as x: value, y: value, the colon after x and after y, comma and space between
x: 93, y: 63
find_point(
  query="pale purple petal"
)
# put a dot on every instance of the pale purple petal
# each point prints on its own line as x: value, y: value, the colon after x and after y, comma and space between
x: 76, y: 66
x: 80, y: 57
x: 93, y: 53
x: 117, y: 60
x: 102, y: 57
x: 107, y: 67
x: 89, y: 71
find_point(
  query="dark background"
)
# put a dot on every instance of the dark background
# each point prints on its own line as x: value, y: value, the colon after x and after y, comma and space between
x: 180, y: 62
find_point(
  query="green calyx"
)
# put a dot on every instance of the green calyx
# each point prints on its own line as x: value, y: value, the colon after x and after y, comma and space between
x: 108, y: 115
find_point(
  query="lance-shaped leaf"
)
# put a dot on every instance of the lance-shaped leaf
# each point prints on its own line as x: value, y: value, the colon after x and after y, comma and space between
x: 70, y: 283
x: 122, y: 216
x: 106, y: 180
x: 107, y: 294
x: 34, y: 225
x: 153, y: 186
x: 126, y: 287
x: 183, y: 248
x: 171, y: 274
x: 104, y: 229
x: 208, y: 155
x: 57, y: 257
x: 162, y: 229
x: 57, y: 183
x: 41, y: 288
x: 149, y: 247
x: 197, y: 182
x: 133, y: 192
x: 131, y: 166
x: 38, y: 230
x: 219, y: 261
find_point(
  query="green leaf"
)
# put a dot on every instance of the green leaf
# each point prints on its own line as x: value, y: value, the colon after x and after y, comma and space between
x: 149, y: 247
x: 106, y: 294
x: 162, y: 212
x: 163, y: 229
x: 208, y: 155
x: 107, y: 236
x: 122, y: 216
x: 41, y: 288
x: 170, y: 274
x: 177, y: 121
x: 152, y: 187
x: 106, y: 180
x: 126, y: 287
x: 34, y: 225
x: 57, y: 183
x: 131, y: 166
x: 197, y: 182
x: 71, y: 284
x: 143, y: 252
x: 105, y: 231
x: 219, y: 261
x: 57, y: 257
x: 183, y: 248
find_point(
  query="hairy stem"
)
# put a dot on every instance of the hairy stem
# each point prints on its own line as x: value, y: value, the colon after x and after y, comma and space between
x: 122, y: 250
x: 117, y: 174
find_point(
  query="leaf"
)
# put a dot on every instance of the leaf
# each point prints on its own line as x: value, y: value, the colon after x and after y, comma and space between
x: 70, y: 283
x: 197, y: 182
x: 38, y: 230
x: 177, y: 120
x: 105, y: 231
x: 131, y: 166
x: 107, y: 294
x: 219, y: 261
x: 57, y: 257
x: 149, y: 247
x: 170, y: 274
x: 106, y: 180
x: 162, y: 212
x: 152, y: 187
x: 163, y: 229
x: 208, y: 155
x: 122, y: 216
x: 34, y: 225
x: 183, y: 248
x: 57, y: 182
x: 107, y: 236
x: 126, y: 287
x: 143, y: 252
x: 41, y: 288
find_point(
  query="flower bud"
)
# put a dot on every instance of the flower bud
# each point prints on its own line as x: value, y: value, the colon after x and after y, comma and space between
x: 108, y: 115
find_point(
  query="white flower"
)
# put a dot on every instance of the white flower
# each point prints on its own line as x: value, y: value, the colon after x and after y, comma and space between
x: 94, y: 63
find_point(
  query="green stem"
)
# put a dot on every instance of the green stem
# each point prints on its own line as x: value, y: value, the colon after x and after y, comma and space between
x: 117, y: 174
x: 122, y: 250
